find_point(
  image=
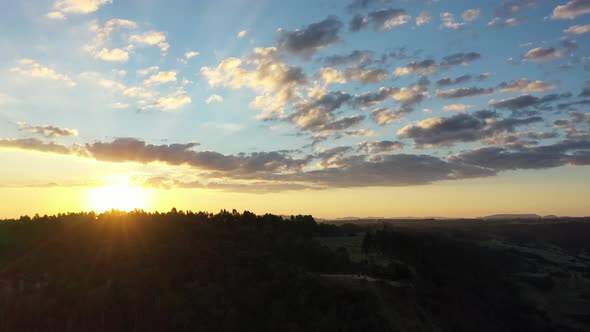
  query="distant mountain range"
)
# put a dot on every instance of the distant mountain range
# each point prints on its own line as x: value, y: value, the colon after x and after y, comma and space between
x: 502, y: 216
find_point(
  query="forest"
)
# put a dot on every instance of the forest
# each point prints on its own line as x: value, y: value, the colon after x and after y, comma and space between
x: 230, y: 271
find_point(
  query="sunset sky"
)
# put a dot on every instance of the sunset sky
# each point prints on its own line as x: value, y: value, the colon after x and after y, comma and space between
x: 325, y: 107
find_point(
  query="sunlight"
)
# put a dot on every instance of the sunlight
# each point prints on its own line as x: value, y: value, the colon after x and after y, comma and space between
x: 119, y: 195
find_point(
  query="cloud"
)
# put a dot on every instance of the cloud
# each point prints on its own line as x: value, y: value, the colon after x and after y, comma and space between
x: 417, y: 68
x: 242, y: 33
x: 363, y: 4
x: 151, y: 38
x: 470, y: 14
x: 330, y: 75
x: 540, y: 54
x: 191, y: 54
x: 28, y: 67
x: 76, y: 7
x: 33, y: 144
x: 356, y: 58
x: 116, y: 55
x: 456, y: 107
x: 59, y: 16
x: 276, y: 82
x: 538, y: 157
x: 47, y: 130
x: 448, y: 21
x: 161, y: 77
x: 383, y: 19
x: 385, y: 116
x: 429, y: 66
x: 423, y: 18
x: 447, y: 81
x: 316, y: 114
x: 524, y: 101
x: 571, y: 10
x: 360, y: 133
x: 406, y: 96
x: 147, y: 71
x: 578, y: 29
x: 135, y: 150
x: 214, y: 99
x: 138, y: 92
x: 380, y: 146
x: 461, y: 58
x: 463, y: 92
x: 171, y: 102
x: 388, y: 170
x: 523, y: 85
x: 310, y: 39
x: 498, y: 22
x: 459, y: 128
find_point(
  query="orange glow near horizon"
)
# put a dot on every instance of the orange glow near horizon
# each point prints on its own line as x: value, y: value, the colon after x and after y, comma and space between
x: 120, y: 195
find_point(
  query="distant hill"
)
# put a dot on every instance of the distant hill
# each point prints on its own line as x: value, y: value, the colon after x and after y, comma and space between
x: 512, y: 216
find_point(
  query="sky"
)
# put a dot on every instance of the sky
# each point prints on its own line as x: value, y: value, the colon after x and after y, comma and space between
x: 327, y: 107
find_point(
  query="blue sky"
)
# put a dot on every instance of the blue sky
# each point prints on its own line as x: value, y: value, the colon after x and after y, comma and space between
x: 274, y: 96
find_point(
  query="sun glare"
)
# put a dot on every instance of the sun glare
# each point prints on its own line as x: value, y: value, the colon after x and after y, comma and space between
x: 120, y: 195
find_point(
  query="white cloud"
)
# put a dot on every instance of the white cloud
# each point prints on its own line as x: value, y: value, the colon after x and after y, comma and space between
x: 144, y: 72
x: 448, y: 21
x: 110, y: 84
x: 119, y: 105
x: 571, y: 10
x: 423, y: 18
x: 161, y: 77
x: 524, y: 85
x: 138, y: 92
x: 76, y: 7
x: 172, y: 102
x: 242, y: 33
x: 47, y: 130
x: 151, y: 38
x: 29, y: 67
x: 191, y: 54
x: 115, y: 55
x: 58, y: 16
x: 214, y: 99
x: 578, y: 29
x: 456, y: 107
x: 470, y: 14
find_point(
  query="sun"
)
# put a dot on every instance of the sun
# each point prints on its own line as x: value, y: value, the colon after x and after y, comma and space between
x: 119, y: 195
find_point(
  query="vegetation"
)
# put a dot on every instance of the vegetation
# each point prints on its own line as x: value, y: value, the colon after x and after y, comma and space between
x: 230, y: 271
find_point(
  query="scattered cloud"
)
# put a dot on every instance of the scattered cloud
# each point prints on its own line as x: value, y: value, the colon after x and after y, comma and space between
x: 578, y: 29
x: 161, y: 78
x: 116, y: 55
x: 471, y: 15
x: 29, y: 67
x: 540, y: 54
x: 75, y: 7
x: 276, y: 82
x: 448, y: 21
x: 151, y: 38
x: 310, y: 39
x: 242, y: 33
x: 463, y: 92
x: 459, y: 128
x: 456, y: 107
x: 380, y: 146
x: 382, y: 19
x: 524, y: 85
x: 214, y: 99
x: 423, y: 18
x: 571, y: 10
x: 191, y: 54
x: 47, y: 130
